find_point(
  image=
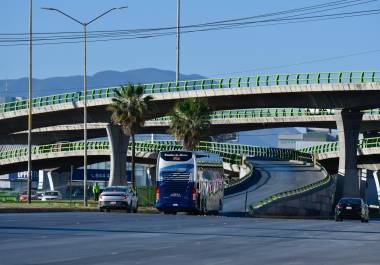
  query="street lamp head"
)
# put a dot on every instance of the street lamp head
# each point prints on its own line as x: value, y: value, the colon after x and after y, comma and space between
x: 122, y: 7
x: 48, y: 8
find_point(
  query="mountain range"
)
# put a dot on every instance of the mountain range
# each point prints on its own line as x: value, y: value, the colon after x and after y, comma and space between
x: 58, y: 85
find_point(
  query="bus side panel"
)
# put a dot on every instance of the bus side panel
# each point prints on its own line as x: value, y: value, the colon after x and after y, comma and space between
x: 211, y: 189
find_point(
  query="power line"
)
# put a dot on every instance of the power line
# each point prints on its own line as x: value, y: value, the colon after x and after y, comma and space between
x: 245, y: 25
x: 138, y: 34
x: 339, y: 4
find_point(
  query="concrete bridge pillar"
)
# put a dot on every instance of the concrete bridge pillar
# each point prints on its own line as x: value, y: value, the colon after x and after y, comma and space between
x: 376, y: 176
x: 348, y: 125
x: 363, y: 175
x: 118, y: 148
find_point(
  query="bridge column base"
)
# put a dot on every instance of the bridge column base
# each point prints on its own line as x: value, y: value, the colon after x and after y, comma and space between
x: 118, y: 148
x: 348, y: 125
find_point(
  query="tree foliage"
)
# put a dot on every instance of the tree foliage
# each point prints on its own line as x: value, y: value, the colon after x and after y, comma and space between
x: 190, y: 121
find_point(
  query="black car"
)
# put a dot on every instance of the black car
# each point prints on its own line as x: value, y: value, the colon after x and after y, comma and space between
x: 353, y: 208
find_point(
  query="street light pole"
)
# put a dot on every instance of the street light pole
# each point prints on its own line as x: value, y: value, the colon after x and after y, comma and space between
x: 178, y: 39
x: 85, y: 118
x: 30, y: 106
x: 84, y: 25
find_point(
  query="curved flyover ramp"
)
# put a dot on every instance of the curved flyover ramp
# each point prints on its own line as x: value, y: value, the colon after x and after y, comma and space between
x: 269, y: 178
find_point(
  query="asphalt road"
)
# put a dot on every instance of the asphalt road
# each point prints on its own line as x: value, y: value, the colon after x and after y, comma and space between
x: 276, y: 176
x: 120, y: 238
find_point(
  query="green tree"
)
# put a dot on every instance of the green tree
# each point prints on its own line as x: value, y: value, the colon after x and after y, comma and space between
x: 129, y: 109
x: 190, y: 121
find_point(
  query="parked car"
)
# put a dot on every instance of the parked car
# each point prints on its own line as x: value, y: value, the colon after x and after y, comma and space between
x: 40, y: 194
x: 354, y: 208
x: 118, y: 197
x: 23, y: 197
x: 51, y: 195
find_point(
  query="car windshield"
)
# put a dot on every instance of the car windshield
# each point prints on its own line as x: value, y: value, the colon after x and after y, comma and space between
x: 117, y: 189
x: 350, y: 201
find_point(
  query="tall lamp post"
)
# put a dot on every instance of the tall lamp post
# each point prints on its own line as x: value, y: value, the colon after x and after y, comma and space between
x: 178, y: 39
x: 30, y: 106
x: 84, y: 25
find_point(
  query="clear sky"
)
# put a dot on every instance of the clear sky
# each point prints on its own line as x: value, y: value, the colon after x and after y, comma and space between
x: 214, y: 53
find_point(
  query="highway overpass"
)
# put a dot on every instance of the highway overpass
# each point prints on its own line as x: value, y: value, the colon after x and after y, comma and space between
x: 225, y: 121
x: 349, y: 92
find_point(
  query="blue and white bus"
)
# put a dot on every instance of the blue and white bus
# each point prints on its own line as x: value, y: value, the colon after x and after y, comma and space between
x: 189, y: 182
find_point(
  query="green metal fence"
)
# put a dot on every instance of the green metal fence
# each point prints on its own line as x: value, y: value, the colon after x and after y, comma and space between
x: 231, y: 153
x: 8, y: 196
x: 203, y: 84
x: 333, y: 146
x: 271, y: 112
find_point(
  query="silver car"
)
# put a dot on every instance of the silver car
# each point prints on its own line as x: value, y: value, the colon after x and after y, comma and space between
x: 118, y: 197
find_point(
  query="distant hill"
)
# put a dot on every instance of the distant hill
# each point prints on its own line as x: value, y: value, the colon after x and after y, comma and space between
x: 57, y: 85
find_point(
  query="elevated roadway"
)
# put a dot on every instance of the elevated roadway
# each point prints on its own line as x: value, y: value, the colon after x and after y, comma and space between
x: 225, y: 121
x: 271, y: 177
x: 70, y: 153
x: 345, y: 90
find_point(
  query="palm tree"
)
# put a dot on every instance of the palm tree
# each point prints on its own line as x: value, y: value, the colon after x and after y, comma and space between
x: 129, y: 109
x: 190, y: 121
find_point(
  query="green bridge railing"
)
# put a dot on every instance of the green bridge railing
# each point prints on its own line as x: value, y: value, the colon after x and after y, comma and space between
x: 272, y: 112
x: 333, y: 146
x: 230, y: 152
x: 202, y: 84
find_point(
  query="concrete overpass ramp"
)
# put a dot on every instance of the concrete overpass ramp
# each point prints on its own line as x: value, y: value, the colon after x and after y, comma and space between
x: 268, y: 179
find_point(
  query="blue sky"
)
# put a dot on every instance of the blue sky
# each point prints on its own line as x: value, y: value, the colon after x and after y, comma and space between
x: 246, y: 51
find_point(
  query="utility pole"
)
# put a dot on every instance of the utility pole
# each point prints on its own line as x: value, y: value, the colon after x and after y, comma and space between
x: 178, y: 39
x: 84, y: 25
x: 30, y: 106
x: 85, y: 118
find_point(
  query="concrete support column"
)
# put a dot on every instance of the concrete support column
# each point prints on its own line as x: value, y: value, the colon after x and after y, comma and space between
x: 50, y: 178
x: 376, y: 176
x: 363, y: 182
x: 152, y: 175
x: 348, y: 125
x: 118, y: 148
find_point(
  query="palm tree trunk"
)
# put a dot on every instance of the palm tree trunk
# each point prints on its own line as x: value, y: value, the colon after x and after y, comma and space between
x: 133, y: 161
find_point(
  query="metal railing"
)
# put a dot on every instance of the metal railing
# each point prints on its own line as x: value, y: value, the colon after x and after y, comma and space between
x: 334, y: 146
x: 231, y: 153
x: 203, y: 84
x: 272, y: 112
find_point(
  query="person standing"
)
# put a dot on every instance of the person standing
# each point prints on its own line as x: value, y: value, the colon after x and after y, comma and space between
x: 96, y: 191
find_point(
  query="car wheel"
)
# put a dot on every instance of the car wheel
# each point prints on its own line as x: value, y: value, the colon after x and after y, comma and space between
x: 101, y: 209
x: 362, y: 220
x: 135, y: 210
x: 108, y: 210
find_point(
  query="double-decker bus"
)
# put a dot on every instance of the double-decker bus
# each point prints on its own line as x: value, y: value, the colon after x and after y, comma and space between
x: 189, y: 182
